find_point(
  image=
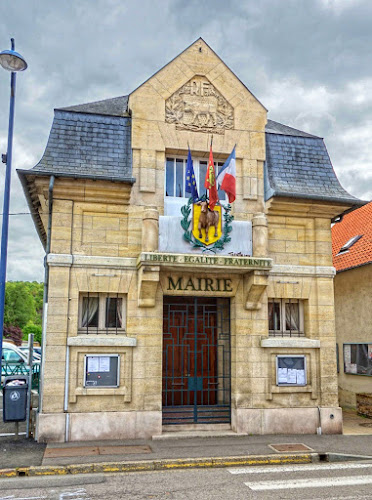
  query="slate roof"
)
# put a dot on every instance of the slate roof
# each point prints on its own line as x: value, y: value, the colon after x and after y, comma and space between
x: 117, y: 106
x: 93, y: 141
x: 86, y: 145
x: 298, y: 166
x: 278, y: 128
x: 356, y: 223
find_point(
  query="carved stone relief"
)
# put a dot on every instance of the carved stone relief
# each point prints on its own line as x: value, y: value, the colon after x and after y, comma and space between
x: 200, y: 107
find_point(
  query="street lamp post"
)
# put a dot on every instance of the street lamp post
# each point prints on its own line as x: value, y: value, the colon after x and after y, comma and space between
x: 14, y: 62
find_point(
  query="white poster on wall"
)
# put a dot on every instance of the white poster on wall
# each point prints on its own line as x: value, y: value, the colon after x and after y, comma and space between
x: 292, y: 376
x: 93, y: 364
x: 104, y: 363
x: 282, y: 376
x: 301, y: 377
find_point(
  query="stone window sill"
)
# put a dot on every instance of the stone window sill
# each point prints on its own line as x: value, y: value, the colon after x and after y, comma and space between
x: 290, y: 342
x: 102, y: 341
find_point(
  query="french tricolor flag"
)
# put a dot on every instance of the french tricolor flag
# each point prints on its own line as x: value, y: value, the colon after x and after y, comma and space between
x: 227, y: 177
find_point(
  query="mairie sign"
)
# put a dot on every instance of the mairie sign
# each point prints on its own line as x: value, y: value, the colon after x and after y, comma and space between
x: 168, y: 259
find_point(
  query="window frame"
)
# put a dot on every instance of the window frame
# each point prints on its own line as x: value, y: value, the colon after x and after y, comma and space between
x: 283, y: 332
x: 346, y: 247
x: 357, y: 354
x: 196, y: 165
x: 101, y: 328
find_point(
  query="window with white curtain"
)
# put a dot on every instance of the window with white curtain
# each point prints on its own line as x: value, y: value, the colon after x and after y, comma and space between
x: 101, y: 313
x: 286, y: 318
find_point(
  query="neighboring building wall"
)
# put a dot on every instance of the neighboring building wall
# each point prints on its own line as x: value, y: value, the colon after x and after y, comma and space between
x: 353, y: 306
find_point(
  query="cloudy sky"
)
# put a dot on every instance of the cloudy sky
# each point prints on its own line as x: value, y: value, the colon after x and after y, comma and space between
x: 308, y: 61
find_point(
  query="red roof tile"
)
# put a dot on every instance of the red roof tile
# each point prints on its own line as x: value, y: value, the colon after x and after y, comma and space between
x: 358, y: 222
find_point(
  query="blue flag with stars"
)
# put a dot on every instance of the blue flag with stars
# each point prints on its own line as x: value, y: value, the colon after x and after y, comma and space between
x: 190, y: 186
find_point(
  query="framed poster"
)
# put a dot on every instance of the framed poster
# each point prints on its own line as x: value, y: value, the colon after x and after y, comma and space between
x: 101, y: 370
x: 291, y: 370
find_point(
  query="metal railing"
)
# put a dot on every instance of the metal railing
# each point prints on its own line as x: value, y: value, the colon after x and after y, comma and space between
x: 9, y: 368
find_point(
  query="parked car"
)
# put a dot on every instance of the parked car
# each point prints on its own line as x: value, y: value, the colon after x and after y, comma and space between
x: 36, y: 356
x: 13, y: 354
x: 37, y: 350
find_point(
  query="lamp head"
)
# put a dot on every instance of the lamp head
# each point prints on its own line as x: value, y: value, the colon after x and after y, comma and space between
x: 12, y: 60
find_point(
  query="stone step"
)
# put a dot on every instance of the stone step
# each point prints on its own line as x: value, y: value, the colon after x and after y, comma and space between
x: 196, y: 434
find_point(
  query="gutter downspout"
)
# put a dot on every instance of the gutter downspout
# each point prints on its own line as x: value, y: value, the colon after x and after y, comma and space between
x: 46, y: 290
x: 319, y: 429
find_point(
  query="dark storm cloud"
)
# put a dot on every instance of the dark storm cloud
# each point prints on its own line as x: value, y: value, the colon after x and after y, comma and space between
x: 309, y: 63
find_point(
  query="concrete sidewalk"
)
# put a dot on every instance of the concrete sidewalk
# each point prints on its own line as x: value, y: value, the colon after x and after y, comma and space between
x: 24, y: 453
x: 173, y: 447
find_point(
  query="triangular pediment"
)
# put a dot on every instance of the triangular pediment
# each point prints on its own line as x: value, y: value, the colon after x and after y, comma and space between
x: 196, y: 62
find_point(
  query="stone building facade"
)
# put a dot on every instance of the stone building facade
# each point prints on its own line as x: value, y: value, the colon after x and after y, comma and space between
x: 146, y: 332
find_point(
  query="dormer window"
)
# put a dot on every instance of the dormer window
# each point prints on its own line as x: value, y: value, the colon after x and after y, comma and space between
x: 345, y: 248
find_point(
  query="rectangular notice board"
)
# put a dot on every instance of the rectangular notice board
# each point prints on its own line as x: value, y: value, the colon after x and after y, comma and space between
x: 101, y: 370
x: 291, y: 370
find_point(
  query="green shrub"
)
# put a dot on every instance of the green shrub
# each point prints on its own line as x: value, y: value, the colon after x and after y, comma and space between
x: 32, y: 328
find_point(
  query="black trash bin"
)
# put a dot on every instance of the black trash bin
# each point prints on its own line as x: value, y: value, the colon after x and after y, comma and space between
x: 15, y: 398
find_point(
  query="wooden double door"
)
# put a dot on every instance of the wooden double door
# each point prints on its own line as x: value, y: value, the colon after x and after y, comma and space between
x: 196, y: 360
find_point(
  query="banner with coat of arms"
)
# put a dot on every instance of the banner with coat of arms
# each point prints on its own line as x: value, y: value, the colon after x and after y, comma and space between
x: 210, y: 221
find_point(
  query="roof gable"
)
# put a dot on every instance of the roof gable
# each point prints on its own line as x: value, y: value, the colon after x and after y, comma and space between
x: 201, y: 60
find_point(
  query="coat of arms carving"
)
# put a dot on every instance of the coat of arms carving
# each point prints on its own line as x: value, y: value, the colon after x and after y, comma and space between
x: 200, y: 107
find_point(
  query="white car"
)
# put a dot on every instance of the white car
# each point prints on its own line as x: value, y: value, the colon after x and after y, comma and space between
x: 36, y: 355
x: 12, y: 354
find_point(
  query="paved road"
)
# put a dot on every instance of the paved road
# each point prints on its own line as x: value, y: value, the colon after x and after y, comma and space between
x: 336, y: 481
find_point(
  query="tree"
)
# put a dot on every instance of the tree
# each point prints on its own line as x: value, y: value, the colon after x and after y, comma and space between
x: 23, y: 308
x: 32, y: 328
x: 37, y: 291
x: 13, y: 333
x: 19, y: 304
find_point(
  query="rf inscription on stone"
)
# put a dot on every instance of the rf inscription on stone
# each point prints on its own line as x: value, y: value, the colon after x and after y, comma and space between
x: 200, y: 107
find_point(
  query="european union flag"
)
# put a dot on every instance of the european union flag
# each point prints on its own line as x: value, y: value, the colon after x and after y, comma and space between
x: 190, y: 181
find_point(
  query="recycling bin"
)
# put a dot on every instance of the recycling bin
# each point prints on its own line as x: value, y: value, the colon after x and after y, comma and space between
x: 15, y: 398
